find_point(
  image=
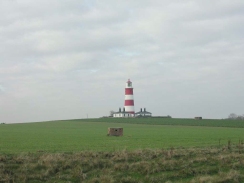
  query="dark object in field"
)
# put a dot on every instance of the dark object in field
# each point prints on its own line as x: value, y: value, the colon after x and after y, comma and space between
x: 198, y: 118
x: 115, y: 131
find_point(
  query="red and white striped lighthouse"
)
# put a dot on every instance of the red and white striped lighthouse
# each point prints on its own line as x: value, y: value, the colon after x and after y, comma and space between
x: 129, y: 100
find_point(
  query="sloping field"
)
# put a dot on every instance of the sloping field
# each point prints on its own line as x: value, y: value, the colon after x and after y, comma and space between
x: 79, y: 135
x: 81, y: 151
x: 173, y: 121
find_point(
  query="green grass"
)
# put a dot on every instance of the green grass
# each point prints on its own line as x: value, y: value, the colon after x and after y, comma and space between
x: 173, y: 121
x: 151, y: 150
x: 78, y: 135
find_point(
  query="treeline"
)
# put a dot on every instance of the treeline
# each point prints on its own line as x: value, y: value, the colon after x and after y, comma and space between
x: 236, y: 117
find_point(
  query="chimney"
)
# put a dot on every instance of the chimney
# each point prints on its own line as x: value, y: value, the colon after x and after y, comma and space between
x: 123, y: 109
x: 141, y: 109
x: 144, y: 109
x: 119, y: 109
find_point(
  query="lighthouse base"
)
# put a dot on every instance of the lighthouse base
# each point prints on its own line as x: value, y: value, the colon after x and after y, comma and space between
x: 123, y: 115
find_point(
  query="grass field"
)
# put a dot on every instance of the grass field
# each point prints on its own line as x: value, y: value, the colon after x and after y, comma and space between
x: 78, y: 135
x: 151, y: 150
x: 173, y: 121
x: 191, y: 165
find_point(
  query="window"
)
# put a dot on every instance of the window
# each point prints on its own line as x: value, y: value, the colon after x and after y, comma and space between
x: 129, y: 84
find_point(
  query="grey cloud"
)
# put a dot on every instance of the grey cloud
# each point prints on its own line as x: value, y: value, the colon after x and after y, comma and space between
x: 69, y: 58
x: 2, y: 89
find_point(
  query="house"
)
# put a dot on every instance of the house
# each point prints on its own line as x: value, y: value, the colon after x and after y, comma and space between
x: 143, y: 113
x: 123, y: 114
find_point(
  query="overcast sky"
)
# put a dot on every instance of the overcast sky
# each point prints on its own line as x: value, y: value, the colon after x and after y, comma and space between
x: 69, y: 59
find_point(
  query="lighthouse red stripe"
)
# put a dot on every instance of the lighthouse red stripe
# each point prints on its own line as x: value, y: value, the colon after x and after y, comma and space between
x: 129, y: 91
x: 129, y: 102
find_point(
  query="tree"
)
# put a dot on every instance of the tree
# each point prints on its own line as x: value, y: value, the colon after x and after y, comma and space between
x: 111, y: 113
x: 232, y: 116
x: 240, y: 117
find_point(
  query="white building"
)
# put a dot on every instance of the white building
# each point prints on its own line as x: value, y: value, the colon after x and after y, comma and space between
x: 123, y: 114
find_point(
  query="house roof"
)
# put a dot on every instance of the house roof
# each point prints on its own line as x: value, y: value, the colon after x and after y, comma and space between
x: 122, y: 112
x: 143, y: 112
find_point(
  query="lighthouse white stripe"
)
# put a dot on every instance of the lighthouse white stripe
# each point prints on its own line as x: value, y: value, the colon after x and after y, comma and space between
x: 128, y: 97
x: 129, y: 108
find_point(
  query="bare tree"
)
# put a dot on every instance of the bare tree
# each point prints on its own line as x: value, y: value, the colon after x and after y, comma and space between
x: 232, y: 116
x: 240, y: 117
x: 111, y: 113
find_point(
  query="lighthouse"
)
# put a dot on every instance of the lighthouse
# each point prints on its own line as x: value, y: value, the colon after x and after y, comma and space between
x: 129, y: 99
x: 128, y: 110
